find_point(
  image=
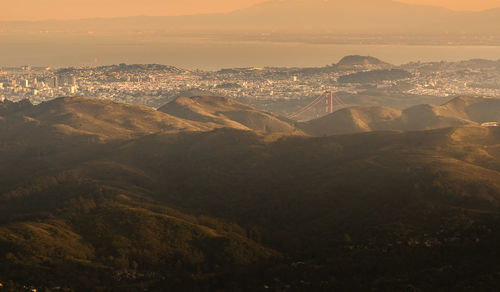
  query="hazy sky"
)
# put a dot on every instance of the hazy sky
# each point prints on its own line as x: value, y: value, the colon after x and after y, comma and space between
x: 71, y: 9
x: 459, y: 4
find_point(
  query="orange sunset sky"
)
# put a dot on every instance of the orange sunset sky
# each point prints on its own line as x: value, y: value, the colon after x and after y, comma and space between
x: 72, y: 9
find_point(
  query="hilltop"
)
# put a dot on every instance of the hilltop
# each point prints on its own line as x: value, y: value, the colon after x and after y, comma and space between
x: 8, y: 107
x: 357, y: 60
x: 87, y: 117
x: 221, y: 111
x: 457, y: 112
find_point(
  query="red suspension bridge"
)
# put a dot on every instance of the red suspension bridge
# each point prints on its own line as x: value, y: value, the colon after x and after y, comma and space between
x: 328, y: 99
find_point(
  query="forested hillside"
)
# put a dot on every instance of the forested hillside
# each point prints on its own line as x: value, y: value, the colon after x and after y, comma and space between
x: 225, y: 209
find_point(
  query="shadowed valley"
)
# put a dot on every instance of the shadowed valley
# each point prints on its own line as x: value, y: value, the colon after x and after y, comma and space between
x: 209, y: 194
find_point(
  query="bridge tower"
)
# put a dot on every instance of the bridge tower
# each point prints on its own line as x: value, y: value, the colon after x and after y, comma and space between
x: 328, y: 102
x: 326, y: 97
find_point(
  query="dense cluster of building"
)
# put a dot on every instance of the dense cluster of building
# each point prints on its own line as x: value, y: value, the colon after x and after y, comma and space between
x: 153, y: 85
x: 35, y: 84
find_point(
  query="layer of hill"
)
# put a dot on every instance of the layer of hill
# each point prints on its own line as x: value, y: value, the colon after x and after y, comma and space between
x: 457, y: 112
x: 231, y: 209
x: 392, y: 201
x: 84, y: 117
x: 28, y: 131
x: 221, y: 111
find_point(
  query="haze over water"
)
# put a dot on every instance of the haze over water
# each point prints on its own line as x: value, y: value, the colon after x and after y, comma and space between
x: 213, y: 55
x: 291, y: 33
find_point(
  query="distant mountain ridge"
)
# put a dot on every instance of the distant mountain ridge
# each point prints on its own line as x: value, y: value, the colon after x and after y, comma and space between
x: 358, y: 16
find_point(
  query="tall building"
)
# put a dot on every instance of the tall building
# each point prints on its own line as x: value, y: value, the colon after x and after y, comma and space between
x: 52, y: 82
x: 67, y: 80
